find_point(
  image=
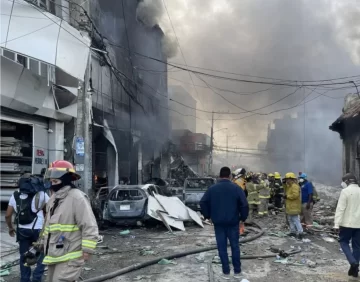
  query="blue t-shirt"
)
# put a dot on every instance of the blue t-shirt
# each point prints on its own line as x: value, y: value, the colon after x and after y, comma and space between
x: 306, y: 190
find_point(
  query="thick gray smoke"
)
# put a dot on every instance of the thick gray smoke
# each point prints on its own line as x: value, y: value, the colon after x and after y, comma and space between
x: 169, y: 46
x: 297, y: 40
x: 150, y: 12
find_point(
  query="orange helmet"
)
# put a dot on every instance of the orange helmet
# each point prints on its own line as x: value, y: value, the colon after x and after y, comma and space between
x: 59, y: 168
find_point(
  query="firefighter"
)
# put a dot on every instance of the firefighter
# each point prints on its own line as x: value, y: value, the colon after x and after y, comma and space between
x: 239, y: 178
x: 264, y: 196
x: 70, y: 232
x: 252, y: 187
x: 271, y: 178
x: 278, y: 191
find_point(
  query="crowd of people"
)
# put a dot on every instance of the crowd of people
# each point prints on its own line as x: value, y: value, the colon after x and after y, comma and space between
x: 240, y: 196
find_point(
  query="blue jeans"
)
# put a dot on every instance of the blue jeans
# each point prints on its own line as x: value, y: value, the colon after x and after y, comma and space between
x: 295, y: 225
x: 222, y: 234
x: 25, y: 238
x: 346, y: 234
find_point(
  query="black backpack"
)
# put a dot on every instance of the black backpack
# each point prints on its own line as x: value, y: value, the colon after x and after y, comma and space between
x: 24, y: 213
x: 30, y: 185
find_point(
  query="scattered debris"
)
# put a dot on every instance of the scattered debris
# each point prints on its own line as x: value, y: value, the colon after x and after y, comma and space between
x: 147, y: 253
x: 288, y: 262
x: 141, y: 277
x: 310, y: 263
x: 125, y: 232
x: 244, y: 280
x: 278, y: 234
x: 200, y: 258
x: 166, y: 262
x: 88, y: 268
x: 5, y: 272
x: 306, y: 240
x: 329, y: 239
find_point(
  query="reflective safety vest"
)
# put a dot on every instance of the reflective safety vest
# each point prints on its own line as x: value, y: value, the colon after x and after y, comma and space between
x: 70, y: 226
x: 264, y: 191
x: 253, y: 193
x: 241, y: 182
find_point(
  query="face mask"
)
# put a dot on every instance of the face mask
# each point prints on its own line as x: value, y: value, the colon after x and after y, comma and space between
x: 343, y: 185
x: 301, y: 180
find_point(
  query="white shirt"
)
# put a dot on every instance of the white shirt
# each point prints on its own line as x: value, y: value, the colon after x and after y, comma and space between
x: 40, y: 215
x: 347, y: 210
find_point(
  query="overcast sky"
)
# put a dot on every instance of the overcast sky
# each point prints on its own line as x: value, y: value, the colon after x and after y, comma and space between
x: 297, y: 40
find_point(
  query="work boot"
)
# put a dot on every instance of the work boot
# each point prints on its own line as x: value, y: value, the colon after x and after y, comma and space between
x: 300, y: 236
x: 354, y: 270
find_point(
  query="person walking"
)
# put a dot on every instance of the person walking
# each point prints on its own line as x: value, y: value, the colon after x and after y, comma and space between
x: 278, y: 191
x: 293, y: 205
x: 347, y: 222
x: 226, y: 205
x: 71, y: 232
x: 29, y: 206
x: 306, y: 200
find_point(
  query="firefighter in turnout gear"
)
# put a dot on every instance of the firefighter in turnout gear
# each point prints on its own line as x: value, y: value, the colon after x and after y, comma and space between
x: 264, y: 196
x: 253, y: 195
x: 271, y: 178
x: 70, y: 231
x: 278, y: 191
x: 239, y: 179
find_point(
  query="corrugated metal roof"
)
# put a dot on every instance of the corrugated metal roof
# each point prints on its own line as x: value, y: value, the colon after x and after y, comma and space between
x: 352, y: 112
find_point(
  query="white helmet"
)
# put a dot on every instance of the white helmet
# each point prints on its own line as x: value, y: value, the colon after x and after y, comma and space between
x: 239, y: 172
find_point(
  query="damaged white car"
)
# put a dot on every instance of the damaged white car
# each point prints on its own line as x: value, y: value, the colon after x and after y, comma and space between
x: 136, y: 204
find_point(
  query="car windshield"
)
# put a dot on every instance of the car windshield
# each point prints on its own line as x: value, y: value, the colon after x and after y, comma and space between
x: 199, y: 183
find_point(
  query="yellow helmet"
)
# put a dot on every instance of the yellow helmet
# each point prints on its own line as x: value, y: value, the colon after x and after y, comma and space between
x: 290, y: 175
x: 271, y: 175
x: 277, y: 175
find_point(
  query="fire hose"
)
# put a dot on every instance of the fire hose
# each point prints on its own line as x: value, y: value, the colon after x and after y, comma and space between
x: 138, y: 266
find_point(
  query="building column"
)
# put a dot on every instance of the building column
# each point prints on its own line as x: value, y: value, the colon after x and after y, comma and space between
x: 56, y: 140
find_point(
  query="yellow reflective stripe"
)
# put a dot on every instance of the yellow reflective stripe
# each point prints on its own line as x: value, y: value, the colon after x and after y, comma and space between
x: 68, y: 256
x: 89, y: 244
x: 264, y: 197
x: 253, y: 192
x: 61, y: 228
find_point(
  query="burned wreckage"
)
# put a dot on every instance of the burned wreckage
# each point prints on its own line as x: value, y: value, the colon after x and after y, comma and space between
x: 137, y: 204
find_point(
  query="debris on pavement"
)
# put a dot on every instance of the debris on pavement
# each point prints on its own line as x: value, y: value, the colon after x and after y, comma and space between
x: 5, y: 272
x: 125, y: 232
x: 166, y: 262
x: 288, y: 262
x: 141, y: 277
x: 329, y: 239
x: 278, y: 234
x: 306, y: 240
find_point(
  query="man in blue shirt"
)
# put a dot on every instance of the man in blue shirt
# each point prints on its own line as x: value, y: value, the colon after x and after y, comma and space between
x: 306, y: 200
x: 226, y: 205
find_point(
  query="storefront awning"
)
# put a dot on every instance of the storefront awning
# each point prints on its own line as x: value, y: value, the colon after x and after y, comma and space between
x: 28, y: 30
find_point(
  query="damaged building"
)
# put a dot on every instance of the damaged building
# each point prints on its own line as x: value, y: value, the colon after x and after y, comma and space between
x: 348, y: 126
x: 92, y: 47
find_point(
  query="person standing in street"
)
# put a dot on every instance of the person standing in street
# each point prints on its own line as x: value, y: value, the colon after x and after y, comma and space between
x: 347, y: 222
x: 71, y: 232
x: 306, y: 200
x: 227, y: 206
x: 29, y: 208
x: 293, y: 205
x: 253, y: 196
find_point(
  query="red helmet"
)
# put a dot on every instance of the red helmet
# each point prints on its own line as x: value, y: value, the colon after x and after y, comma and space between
x: 59, y: 168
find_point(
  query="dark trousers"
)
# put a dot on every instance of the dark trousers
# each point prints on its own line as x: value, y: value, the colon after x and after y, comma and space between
x: 346, y: 234
x: 26, y: 238
x: 223, y: 234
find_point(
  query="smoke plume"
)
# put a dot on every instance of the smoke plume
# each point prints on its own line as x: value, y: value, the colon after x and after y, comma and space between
x: 149, y: 12
x: 169, y: 46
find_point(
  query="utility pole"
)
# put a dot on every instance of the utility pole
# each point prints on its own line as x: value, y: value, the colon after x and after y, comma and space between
x: 211, y: 144
x: 227, y: 148
x: 83, y: 140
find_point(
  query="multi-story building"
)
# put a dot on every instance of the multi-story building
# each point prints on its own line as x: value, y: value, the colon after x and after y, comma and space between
x: 53, y: 50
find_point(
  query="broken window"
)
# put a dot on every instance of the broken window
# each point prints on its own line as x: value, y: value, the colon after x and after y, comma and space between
x: 127, y: 195
x: 22, y: 60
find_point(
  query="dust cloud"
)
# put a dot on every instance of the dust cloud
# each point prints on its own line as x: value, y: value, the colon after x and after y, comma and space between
x: 289, y: 40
